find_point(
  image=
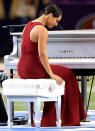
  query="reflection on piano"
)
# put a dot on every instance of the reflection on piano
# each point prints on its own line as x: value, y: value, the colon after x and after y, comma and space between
x: 71, y: 48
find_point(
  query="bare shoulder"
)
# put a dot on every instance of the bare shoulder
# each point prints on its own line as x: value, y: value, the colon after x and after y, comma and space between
x: 43, y: 33
x: 41, y: 30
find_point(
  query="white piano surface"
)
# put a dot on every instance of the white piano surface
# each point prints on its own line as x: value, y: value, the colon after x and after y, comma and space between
x: 77, y: 44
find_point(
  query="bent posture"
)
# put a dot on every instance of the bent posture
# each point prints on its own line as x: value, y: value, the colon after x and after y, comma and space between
x: 34, y: 64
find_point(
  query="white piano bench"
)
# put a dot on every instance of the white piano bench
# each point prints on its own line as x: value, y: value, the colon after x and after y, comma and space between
x: 36, y: 91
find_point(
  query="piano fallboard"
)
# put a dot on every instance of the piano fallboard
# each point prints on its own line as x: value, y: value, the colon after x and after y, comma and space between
x: 76, y: 43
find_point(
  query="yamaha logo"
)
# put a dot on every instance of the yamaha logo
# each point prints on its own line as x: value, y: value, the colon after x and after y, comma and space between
x: 65, y: 51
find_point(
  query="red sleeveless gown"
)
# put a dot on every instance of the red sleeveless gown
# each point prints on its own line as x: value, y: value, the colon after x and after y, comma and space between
x: 30, y: 67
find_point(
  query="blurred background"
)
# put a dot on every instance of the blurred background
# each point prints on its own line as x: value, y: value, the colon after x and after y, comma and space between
x: 77, y: 14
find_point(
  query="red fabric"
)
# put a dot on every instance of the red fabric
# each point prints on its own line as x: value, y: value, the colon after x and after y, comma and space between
x: 30, y: 67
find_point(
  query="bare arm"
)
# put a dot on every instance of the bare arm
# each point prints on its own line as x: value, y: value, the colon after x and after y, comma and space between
x: 42, y: 50
x: 42, y: 47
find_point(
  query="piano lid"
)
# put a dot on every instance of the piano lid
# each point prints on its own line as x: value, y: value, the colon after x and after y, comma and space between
x: 72, y: 34
x: 66, y: 34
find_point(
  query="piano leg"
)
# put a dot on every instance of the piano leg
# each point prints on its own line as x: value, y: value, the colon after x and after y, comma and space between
x: 11, y: 73
x: 90, y: 92
x: 11, y: 76
x: 84, y: 90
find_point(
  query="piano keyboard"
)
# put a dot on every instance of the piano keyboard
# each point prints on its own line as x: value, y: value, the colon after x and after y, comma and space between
x: 75, y: 63
x: 72, y: 63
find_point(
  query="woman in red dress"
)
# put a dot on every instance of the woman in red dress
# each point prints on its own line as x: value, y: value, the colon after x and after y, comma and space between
x: 34, y: 64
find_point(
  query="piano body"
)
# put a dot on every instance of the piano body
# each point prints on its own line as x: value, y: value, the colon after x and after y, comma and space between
x: 74, y: 49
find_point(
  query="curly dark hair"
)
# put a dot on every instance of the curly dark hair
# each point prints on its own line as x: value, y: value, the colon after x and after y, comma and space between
x: 54, y: 9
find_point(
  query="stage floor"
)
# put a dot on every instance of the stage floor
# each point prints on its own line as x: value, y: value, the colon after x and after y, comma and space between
x: 85, y: 126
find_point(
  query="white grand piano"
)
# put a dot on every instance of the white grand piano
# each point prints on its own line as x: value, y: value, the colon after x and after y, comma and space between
x: 72, y: 48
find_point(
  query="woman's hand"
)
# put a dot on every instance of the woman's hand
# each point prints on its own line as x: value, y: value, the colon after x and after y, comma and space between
x: 58, y: 79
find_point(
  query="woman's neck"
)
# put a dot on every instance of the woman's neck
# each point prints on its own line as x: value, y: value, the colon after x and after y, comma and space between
x: 42, y: 19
